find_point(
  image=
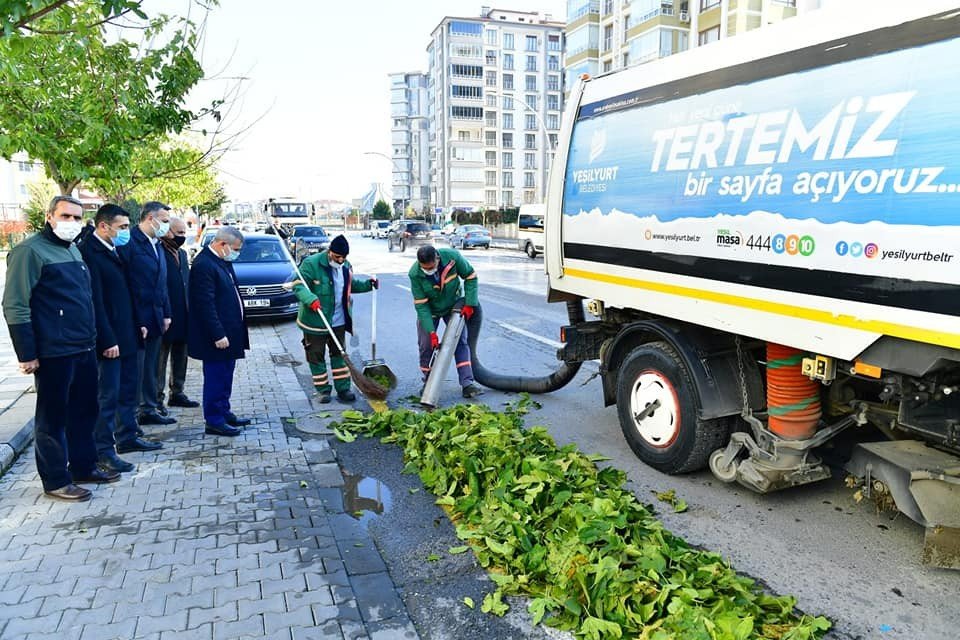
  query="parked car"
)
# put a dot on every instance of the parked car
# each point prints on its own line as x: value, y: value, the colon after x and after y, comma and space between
x: 469, y: 236
x: 262, y: 269
x: 409, y: 233
x: 307, y: 240
x: 380, y: 228
x: 436, y: 231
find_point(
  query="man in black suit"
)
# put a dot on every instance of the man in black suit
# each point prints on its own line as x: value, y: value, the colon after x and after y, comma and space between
x: 118, y: 341
x: 217, y: 334
x: 147, y: 275
x: 174, y: 347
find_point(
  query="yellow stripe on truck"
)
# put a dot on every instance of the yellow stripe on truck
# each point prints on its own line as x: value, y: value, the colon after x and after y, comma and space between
x: 929, y: 336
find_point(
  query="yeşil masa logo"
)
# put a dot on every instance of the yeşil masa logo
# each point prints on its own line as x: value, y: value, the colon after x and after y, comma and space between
x: 598, y: 143
x: 729, y: 238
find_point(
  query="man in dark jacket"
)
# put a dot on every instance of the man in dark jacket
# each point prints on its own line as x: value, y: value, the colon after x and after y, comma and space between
x: 118, y: 341
x: 48, y: 306
x: 216, y: 333
x: 174, y: 347
x: 147, y: 275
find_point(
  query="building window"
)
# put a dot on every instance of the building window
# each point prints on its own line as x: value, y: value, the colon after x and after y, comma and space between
x: 491, y: 180
x: 608, y: 66
x: 708, y: 4
x: 627, y: 23
x: 553, y: 141
x: 531, y: 101
x: 531, y: 63
x: 491, y: 100
x: 626, y: 60
x: 491, y: 158
x: 531, y: 83
x: 529, y: 180
x: 553, y: 121
x: 529, y: 161
x: 469, y: 93
x: 607, y: 38
x: 532, y: 44
x: 553, y: 83
x: 530, y: 122
x: 508, y: 102
x: 466, y: 70
x: 472, y: 29
x: 490, y: 118
x: 508, y: 61
x: 491, y: 36
x: 529, y: 197
x: 553, y: 102
x: 491, y: 196
x: 466, y: 113
x: 508, y: 81
x: 491, y: 57
x: 25, y: 167
x: 508, y: 121
x: 23, y: 189
x: 607, y: 7
x: 490, y: 137
x: 463, y: 136
x: 508, y: 41
x: 710, y: 35
x: 506, y: 197
x: 553, y: 63
x: 491, y: 78
x: 508, y: 160
x: 507, y: 141
x: 507, y: 179
x: 553, y: 43
x: 530, y: 141
x: 466, y: 50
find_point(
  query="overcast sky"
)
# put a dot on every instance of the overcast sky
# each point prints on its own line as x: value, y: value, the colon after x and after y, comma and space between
x: 318, y: 77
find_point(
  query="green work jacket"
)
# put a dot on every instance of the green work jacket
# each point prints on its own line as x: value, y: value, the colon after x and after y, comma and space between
x: 317, y: 271
x: 436, y: 300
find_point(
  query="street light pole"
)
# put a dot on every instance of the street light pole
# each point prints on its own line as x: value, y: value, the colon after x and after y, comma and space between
x: 549, y: 141
x: 395, y: 166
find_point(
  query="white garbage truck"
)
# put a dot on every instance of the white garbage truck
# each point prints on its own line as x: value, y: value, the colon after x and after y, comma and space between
x: 766, y: 231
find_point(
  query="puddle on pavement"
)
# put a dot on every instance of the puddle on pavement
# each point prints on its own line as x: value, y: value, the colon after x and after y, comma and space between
x: 365, y: 498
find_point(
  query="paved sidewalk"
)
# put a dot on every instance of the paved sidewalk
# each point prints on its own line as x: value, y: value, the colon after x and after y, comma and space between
x: 209, y: 538
x: 17, y: 401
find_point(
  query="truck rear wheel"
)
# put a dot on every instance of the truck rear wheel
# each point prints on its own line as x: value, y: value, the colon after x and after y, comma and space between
x: 531, y: 251
x: 670, y: 437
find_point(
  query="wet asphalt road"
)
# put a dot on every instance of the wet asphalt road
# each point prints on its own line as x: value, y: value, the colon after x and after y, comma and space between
x: 841, y: 559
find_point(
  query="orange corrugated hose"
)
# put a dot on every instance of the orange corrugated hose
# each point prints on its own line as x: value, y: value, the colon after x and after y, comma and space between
x: 793, y: 400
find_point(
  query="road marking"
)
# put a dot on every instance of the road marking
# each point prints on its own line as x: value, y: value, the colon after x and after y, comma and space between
x: 402, y: 287
x: 529, y: 334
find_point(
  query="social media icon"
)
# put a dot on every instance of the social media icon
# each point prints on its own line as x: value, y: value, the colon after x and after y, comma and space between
x: 842, y: 248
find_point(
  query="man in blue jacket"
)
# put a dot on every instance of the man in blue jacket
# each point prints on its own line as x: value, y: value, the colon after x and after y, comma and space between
x: 48, y: 306
x: 147, y: 275
x: 217, y: 334
x: 174, y: 347
x: 118, y: 341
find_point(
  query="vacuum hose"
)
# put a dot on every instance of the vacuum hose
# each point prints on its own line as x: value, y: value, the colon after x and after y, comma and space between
x: 529, y: 384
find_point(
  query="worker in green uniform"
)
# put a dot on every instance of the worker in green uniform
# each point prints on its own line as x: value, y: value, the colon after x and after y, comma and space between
x: 328, y: 289
x: 435, y: 282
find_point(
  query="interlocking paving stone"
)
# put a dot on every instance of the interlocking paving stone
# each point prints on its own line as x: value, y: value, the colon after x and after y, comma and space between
x: 208, y: 538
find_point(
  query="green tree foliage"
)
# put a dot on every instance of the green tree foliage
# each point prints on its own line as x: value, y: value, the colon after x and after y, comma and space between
x: 41, y: 192
x: 82, y: 103
x: 21, y: 14
x: 381, y: 210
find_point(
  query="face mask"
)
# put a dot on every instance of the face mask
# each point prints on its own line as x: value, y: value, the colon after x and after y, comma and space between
x: 231, y: 255
x: 66, y: 231
x: 163, y: 228
x: 123, y: 237
x: 428, y: 272
x: 179, y: 240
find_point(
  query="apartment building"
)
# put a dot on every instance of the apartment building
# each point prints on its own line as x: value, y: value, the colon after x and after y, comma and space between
x: 15, y: 175
x: 495, y: 94
x: 607, y: 35
x: 410, y: 140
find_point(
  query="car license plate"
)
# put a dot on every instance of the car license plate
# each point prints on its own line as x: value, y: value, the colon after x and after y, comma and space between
x: 257, y: 302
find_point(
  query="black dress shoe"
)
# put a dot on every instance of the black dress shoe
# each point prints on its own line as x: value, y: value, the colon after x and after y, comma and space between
x: 112, y: 462
x: 162, y: 410
x: 97, y: 476
x: 71, y: 493
x: 181, y: 400
x: 222, y: 430
x: 346, y: 396
x: 138, y: 444
x: 154, y: 418
x: 234, y: 421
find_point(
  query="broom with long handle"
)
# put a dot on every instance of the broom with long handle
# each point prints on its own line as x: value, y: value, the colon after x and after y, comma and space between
x: 370, y: 388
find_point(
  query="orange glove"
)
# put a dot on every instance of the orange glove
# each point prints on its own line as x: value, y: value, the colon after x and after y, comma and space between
x: 434, y: 340
x: 466, y: 312
x: 315, y: 305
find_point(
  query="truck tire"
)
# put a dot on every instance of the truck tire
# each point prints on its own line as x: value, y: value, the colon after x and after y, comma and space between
x: 672, y: 439
x: 389, y: 244
x: 403, y: 246
x: 531, y: 251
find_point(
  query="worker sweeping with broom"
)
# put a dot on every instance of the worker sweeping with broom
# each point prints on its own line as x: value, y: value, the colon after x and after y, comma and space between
x: 326, y: 294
